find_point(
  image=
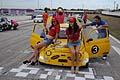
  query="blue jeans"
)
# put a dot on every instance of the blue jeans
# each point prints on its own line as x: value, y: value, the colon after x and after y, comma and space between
x: 47, y: 41
x: 72, y: 44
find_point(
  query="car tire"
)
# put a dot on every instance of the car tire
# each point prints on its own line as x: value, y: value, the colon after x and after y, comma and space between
x: 4, y: 27
x: 87, y: 65
x: 9, y: 27
x: 41, y: 63
x: 104, y: 57
x: 1, y: 30
x: 14, y: 27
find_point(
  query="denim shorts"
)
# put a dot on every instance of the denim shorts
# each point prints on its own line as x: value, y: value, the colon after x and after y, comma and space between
x: 72, y: 44
x: 47, y: 41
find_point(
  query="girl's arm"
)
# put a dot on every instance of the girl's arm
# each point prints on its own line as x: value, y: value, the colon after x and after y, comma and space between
x: 56, y: 37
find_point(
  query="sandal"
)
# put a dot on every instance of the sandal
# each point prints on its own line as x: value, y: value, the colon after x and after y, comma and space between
x: 34, y: 62
x: 26, y: 61
x: 77, y: 69
x: 72, y: 69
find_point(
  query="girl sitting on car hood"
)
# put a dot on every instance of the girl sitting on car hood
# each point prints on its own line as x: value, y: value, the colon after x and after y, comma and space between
x: 52, y: 35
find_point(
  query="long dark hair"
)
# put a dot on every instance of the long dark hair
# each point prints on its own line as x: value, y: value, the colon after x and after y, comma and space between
x: 52, y: 25
x: 75, y: 28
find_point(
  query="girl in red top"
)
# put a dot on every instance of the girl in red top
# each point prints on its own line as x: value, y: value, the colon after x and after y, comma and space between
x: 52, y: 34
x: 45, y: 17
x: 60, y: 15
x: 73, y: 35
x: 85, y: 17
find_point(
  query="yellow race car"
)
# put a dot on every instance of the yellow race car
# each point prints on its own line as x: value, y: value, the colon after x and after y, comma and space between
x: 58, y: 53
x: 92, y: 45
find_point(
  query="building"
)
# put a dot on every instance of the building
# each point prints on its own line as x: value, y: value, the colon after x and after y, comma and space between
x: 6, y: 11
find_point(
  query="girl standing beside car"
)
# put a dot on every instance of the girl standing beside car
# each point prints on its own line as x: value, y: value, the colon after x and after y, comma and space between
x: 73, y: 42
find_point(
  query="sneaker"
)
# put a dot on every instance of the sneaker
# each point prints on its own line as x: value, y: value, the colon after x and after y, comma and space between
x: 77, y: 69
x: 26, y: 61
x: 34, y: 62
x: 104, y: 57
x: 72, y: 69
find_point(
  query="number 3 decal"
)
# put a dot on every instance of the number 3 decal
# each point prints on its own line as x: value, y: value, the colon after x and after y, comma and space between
x: 95, y: 49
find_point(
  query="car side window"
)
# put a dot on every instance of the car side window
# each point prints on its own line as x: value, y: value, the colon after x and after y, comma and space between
x: 98, y: 34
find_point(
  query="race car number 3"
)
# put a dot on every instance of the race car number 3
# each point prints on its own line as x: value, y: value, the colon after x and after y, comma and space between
x: 95, y: 49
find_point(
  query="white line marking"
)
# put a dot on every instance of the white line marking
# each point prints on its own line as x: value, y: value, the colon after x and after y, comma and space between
x: 43, y: 76
x: 115, y: 39
x: 57, y: 77
x: 15, y: 70
x: 33, y: 71
x: 21, y: 74
x: 49, y: 73
x: 108, y: 78
x: 70, y: 75
x: 116, y: 49
x: 89, y: 76
x: 24, y: 66
x: 1, y: 68
x: 79, y: 78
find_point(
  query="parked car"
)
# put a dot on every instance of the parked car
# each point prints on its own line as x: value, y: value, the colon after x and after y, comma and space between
x: 38, y: 19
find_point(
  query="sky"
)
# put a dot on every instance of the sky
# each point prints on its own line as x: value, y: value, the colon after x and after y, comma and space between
x: 82, y: 4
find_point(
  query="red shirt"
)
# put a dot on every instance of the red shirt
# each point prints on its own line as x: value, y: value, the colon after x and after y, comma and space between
x: 45, y: 17
x: 73, y: 36
x: 85, y: 17
x: 53, y: 30
x: 60, y: 18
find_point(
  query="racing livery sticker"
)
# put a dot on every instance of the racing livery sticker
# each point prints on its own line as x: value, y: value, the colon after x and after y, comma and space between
x: 95, y: 49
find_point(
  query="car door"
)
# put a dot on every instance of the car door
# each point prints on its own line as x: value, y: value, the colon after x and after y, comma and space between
x: 96, y: 45
x: 35, y: 36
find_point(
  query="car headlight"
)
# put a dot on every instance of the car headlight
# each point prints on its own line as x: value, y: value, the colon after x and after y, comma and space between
x: 41, y: 57
x: 85, y: 61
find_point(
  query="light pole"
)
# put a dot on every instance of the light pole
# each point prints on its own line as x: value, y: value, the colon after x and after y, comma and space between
x: 114, y: 4
x: 1, y: 3
x: 38, y: 4
x: 51, y: 4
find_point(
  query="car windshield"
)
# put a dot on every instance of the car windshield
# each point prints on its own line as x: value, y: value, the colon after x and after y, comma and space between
x: 40, y: 16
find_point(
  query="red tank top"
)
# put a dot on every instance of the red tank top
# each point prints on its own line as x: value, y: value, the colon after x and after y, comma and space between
x: 60, y: 18
x: 45, y: 16
x: 53, y: 30
x: 73, y: 36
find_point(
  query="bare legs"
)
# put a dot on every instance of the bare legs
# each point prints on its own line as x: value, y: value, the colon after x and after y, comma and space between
x: 72, y: 50
x: 75, y: 58
x: 35, y: 54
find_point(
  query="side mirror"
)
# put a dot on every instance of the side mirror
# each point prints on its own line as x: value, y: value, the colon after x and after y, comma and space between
x: 89, y: 40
